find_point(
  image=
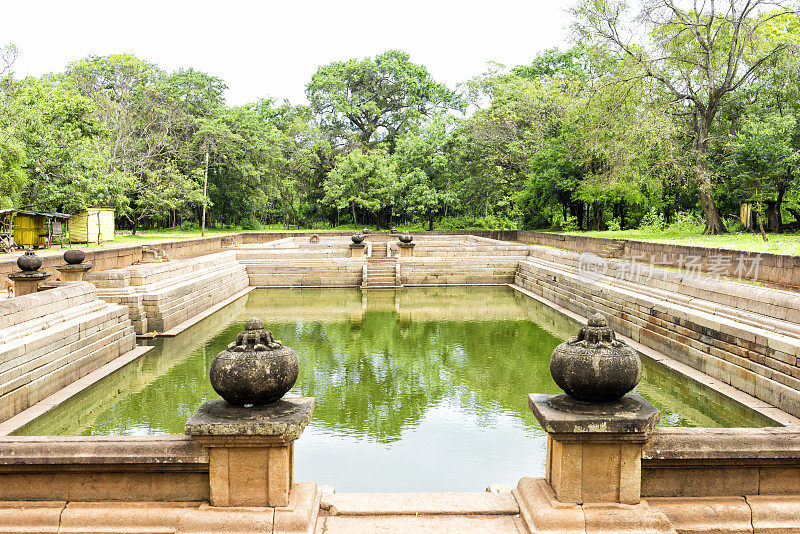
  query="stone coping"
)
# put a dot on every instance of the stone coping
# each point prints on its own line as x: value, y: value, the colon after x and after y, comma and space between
x: 630, y: 418
x: 100, y: 450
x: 718, y: 444
x: 285, y: 419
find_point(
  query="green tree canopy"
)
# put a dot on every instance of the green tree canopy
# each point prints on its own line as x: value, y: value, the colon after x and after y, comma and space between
x: 377, y: 99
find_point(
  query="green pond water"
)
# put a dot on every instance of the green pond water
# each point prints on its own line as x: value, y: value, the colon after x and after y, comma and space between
x: 420, y: 389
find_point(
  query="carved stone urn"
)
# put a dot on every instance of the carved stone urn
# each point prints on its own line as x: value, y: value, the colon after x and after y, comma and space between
x: 255, y: 369
x: 29, y: 261
x: 27, y: 280
x: 405, y: 238
x: 594, y: 366
x: 357, y: 238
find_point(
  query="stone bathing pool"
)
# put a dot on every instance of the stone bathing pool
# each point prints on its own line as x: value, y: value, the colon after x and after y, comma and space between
x: 419, y: 389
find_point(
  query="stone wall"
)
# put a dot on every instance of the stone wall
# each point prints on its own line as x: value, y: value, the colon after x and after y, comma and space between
x: 266, y: 271
x: 711, y: 462
x: 103, y: 468
x: 52, y: 338
x: 117, y: 257
x: 163, y: 295
x: 745, y: 336
x: 417, y: 271
x: 579, y: 243
x: 780, y: 269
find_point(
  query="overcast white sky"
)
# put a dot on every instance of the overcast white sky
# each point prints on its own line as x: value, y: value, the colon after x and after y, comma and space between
x: 270, y: 48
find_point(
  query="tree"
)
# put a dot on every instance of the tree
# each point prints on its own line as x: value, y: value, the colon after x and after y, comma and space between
x: 764, y: 162
x: 12, y: 152
x: 377, y: 99
x: 64, y: 169
x: 426, y: 174
x: 698, y: 55
x: 362, y: 180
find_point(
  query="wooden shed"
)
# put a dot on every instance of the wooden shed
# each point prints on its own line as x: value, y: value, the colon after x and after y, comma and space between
x: 93, y: 225
x: 30, y: 229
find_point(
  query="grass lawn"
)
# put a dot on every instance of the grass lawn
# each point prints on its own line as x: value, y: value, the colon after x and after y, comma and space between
x: 777, y: 244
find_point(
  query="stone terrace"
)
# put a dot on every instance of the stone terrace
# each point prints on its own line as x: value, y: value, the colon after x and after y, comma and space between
x: 52, y: 338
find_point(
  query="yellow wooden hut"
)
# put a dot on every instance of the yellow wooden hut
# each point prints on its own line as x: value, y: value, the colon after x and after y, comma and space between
x: 30, y: 229
x: 92, y: 225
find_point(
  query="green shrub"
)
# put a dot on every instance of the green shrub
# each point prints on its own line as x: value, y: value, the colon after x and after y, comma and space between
x: 735, y: 226
x: 652, y: 220
x: 251, y: 224
x: 570, y: 224
x: 614, y: 225
x: 684, y: 222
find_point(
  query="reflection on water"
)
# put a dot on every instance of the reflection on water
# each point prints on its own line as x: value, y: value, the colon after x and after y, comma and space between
x: 421, y: 389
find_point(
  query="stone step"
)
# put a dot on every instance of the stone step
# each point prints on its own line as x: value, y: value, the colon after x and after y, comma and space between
x: 421, y: 512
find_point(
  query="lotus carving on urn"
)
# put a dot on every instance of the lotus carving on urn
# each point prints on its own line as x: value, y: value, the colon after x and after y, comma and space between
x: 255, y: 369
x: 595, y: 366
x: 357, y: 238
x: 405, y: 238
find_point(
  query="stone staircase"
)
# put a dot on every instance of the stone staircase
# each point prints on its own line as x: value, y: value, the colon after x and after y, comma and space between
x: 50, y: 339
x: 381, y: 273
x: 380, y: 250
x: 162, y: 295
x: 439, y: 513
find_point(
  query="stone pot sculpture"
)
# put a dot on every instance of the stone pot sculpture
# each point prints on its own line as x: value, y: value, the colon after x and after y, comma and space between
x: 254, y: 370
x: 74, y: 269
x: 365, y: 231
x: 594, y: 366
x: 27, y: 280
x: 405, y: 238
x: 74, y: 256
x: 29, y: 261
x: 357, y: 238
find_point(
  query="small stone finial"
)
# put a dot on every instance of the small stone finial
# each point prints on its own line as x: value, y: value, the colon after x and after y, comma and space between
x: 405, y: 237
x: 598, y: 319
x: 314, y: 239
x: 357, y: 238
x: 254, y: 338
x: 595, y: 366
x: 29, y: 262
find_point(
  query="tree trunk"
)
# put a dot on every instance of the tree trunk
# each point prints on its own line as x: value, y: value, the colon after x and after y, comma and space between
x: 774, y: 218
x: 597, y: 216
x: 761, y: 227
x: 714, y: 224
x: 430, y: 221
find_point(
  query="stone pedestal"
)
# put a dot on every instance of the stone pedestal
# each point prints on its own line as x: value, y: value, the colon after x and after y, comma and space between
x: 357, y: 250
x: 27, y: 282
x: 406, y: 249
x: 594, y: 450
x: 73, y: 272
x: 251, y: 450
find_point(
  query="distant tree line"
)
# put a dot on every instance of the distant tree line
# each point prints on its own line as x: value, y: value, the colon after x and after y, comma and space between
x: 662, y: 112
